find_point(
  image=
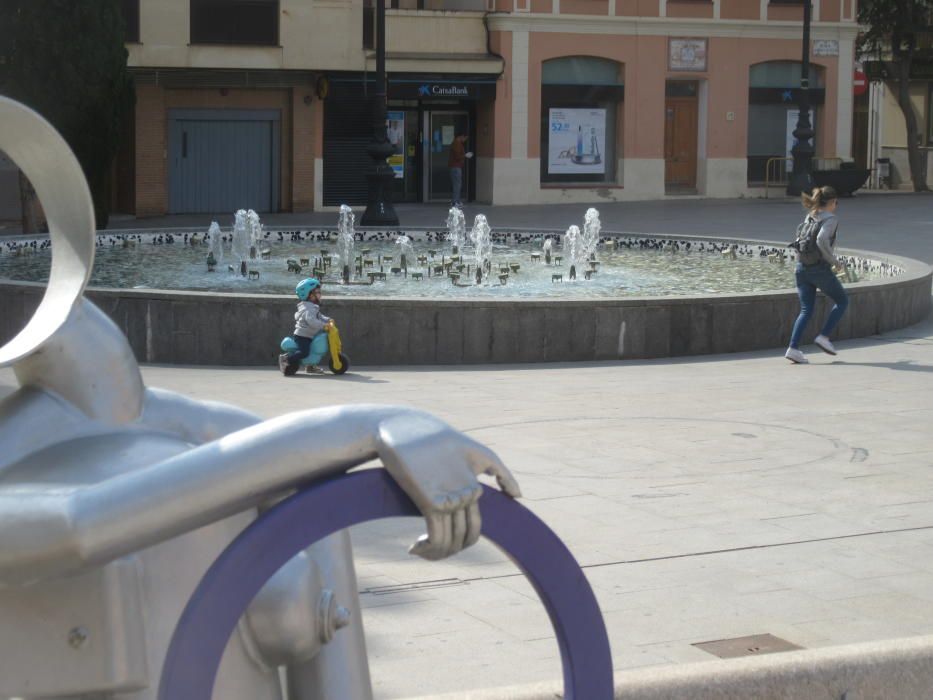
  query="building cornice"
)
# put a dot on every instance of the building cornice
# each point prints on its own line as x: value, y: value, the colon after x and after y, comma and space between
x: 665, y: 26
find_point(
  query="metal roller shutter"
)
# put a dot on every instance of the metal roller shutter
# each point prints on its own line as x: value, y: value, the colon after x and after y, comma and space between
x: 347, y: 133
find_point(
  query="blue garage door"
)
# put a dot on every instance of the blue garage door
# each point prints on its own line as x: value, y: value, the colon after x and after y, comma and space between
x: 221, y: 161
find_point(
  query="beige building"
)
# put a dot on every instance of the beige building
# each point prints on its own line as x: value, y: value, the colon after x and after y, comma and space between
x: 885, y: 127
x: 263, y: 103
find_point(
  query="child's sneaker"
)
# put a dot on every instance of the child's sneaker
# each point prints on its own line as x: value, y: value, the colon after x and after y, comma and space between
x: 795, y: 356
x: 313, y: 369
x: 283, y: 362
x: 823, y: 343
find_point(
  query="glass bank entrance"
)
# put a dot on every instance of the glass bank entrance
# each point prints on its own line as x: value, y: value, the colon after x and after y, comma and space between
x: 422, y: 138
x: 424, y: 115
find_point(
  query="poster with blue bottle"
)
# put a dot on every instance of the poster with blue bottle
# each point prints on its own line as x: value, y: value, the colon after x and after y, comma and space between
x: 575, y: 141
x: 395, y: 132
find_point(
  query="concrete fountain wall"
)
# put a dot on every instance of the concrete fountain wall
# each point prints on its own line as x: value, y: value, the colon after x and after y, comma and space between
x: 179, y: 327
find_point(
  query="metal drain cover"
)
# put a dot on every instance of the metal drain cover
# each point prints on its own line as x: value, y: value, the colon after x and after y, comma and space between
x: 746, y: 646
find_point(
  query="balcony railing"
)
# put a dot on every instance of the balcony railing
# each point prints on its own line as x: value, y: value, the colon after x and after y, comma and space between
x: 369, y: 12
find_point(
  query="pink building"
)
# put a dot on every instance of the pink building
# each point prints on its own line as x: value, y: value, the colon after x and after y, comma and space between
x: 689, y: 96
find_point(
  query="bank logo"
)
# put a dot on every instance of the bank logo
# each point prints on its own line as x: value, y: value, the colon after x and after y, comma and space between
x: 424, y: 90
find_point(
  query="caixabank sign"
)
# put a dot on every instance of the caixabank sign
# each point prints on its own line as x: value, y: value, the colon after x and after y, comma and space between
x: 409, y: 87
x: 483, y: 89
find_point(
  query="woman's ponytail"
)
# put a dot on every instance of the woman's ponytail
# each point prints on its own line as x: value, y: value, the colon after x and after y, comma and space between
x: 819, y: 198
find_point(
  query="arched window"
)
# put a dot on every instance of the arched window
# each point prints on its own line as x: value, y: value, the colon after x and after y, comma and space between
x: 580, y: 107
x: 773, y: 91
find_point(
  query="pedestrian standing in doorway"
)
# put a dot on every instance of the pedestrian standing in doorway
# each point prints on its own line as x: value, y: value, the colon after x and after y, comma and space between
x: 455, y: 162
x: 816, y: 263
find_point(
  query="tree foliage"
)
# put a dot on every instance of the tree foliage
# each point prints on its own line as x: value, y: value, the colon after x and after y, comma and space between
x: 891, y: 34
x: 67, y: 60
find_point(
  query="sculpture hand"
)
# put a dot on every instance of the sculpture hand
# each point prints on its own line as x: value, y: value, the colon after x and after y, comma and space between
x: 437, y: 467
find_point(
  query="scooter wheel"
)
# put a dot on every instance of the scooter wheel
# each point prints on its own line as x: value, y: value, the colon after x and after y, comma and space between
x: 344, y: 364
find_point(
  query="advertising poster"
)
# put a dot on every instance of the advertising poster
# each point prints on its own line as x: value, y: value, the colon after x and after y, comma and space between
x: 575, y: 141
x: 792, y: 115
x: 395, y: 130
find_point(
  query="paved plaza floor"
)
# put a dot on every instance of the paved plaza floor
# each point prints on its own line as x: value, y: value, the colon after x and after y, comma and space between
x: 706, y: 498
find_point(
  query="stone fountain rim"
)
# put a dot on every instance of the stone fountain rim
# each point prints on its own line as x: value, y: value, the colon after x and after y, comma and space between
x: 912, y: 270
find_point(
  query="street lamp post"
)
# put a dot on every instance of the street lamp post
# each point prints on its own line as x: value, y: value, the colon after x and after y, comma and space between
x: 801, y: 179
x: 379, y: 209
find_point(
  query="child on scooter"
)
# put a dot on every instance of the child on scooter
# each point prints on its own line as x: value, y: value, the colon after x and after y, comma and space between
x: 309, y: 321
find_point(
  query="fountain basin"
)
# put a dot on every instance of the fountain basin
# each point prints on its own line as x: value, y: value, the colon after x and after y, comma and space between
x: 192, y: 327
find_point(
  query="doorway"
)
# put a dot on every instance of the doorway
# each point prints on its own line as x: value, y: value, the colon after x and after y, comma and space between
x: 680, y: 137
x: 440, y: 127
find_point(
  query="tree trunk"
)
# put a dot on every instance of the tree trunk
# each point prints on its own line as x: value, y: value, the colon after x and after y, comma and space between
x: 914, y: 156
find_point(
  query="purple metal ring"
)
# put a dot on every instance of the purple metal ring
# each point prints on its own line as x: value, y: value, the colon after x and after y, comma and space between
x: 328, y: 506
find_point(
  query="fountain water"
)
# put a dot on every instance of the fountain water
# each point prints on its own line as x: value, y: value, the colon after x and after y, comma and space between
x: 572, y: 244
x: 456, y: 229
x: 591, y: 228
x: 255, y: 232
x: 482, y: 247
x: 215, y: 255
x: 346, y: 237
x: 241, y: 236
x: 548, y: 244
x: 407, y: 252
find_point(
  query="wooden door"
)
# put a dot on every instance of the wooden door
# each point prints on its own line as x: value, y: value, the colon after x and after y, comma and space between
x: 680, y: 142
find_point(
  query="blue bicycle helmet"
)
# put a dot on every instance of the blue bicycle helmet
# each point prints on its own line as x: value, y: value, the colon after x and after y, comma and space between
x: 305, y: 287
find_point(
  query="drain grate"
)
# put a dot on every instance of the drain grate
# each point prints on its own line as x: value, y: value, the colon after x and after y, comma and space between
x: 747, y: 646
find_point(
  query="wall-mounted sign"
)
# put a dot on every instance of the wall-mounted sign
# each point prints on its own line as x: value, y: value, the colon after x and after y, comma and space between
x: 395, y: 131
x: 576, y: 138
x: 442, y: 90
x: 825, y: 47
x: 859, y: 83
x: 686, y: 54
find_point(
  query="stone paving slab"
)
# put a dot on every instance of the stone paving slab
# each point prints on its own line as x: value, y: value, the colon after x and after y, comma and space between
x: 706, y: 498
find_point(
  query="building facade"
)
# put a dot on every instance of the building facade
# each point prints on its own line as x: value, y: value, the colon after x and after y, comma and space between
x: 886, y: 130
x: 265, y: 103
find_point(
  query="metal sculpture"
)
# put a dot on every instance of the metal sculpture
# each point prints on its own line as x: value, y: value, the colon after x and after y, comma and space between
x: 116, y: 497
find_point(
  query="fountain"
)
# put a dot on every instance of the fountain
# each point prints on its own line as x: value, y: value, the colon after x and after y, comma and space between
x: 255, y: 232
x: 591, y: 229
x: 482, y: 248
x: 407, y: 252
x: 718, y: 279
x: 456, y: 229
x: 572, y: 243
x: 346, y: 237
x: 241, y: 240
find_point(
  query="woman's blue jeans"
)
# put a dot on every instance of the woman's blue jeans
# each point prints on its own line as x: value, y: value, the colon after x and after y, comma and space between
x: 809, y: 279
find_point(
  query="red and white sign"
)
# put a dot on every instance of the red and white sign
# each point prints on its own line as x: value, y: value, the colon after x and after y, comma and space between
x: 860, y: 83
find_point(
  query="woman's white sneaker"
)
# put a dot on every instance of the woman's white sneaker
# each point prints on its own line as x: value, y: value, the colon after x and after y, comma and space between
x: 795, y: 356
x: 823, y: 344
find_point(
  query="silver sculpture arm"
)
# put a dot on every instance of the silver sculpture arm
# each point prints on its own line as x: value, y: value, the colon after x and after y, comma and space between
x: 195, y: 421
x: 51, y: 531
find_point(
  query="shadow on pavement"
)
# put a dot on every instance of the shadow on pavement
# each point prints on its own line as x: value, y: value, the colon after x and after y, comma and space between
x: 905, y: 365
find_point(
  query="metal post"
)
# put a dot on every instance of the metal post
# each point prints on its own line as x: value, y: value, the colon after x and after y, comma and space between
x: 379, y: 209
x: 802, y: 179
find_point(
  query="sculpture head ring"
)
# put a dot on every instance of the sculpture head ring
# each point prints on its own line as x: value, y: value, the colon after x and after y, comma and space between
x: 46, y: 159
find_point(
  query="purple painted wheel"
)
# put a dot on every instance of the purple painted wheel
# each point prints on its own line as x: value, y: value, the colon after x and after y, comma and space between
x: 326, y: 507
